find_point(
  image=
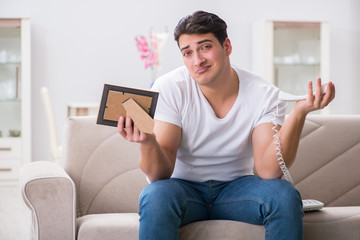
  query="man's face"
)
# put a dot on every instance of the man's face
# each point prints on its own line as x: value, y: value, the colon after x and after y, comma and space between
x: 204, y: 57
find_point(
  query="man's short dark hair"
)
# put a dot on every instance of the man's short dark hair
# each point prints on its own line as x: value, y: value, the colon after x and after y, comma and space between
x: 201, y: 22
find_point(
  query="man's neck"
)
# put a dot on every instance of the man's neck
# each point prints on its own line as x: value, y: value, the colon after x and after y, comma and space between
x: 223, y: 89
x: 222, y: 97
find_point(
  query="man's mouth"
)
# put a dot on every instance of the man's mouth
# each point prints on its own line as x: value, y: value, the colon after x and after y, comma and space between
x: 202, y: 70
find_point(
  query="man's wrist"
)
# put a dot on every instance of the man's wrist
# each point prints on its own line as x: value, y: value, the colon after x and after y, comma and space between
x: 299, y: 114
x: 149, y: 141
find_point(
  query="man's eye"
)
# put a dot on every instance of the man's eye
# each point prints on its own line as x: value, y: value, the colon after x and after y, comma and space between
x: 205, y: 47
x: 186, y: 54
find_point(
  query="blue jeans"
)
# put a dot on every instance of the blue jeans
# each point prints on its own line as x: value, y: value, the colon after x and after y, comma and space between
x: 166, y: 205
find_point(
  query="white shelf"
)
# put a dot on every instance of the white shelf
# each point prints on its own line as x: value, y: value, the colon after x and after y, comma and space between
x: 15, y: 45
x: 291, y: 53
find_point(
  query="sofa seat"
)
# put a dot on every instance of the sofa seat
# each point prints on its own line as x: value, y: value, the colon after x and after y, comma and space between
x: 113, y: 226
x: 108, y: 226
x: 333, y: 223
x: 329, y: 223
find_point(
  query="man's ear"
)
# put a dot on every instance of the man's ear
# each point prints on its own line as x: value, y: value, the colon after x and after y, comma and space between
x: 227, y: 46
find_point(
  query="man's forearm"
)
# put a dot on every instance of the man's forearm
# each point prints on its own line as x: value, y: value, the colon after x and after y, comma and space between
x: 267, y: 164
x: 154, y: 162
x: 289, y: 136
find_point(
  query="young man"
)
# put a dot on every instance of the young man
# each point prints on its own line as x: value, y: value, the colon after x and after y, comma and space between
x: 213, y: 124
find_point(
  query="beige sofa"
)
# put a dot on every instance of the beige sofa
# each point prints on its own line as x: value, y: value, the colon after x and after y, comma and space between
x: 95, y: 194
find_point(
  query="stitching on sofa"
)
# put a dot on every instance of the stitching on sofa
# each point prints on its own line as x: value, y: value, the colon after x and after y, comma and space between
x: 103, y: 186
x: 85, y: 212
x: 83, y: 170
x: 99, y: 145
x: 331, y: 160
x: 355, y: 186
x: 315, y: 123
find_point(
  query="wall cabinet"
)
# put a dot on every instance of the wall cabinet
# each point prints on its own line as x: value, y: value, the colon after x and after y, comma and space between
x: 291, y: 53
x: 15, y: 97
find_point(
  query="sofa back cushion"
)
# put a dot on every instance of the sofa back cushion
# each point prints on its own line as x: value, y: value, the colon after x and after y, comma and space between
x: 328, y: 160
x: 104, y: 167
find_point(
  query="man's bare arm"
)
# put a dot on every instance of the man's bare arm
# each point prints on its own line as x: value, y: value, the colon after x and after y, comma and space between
x: 158, y: 150
x: 266, y: 160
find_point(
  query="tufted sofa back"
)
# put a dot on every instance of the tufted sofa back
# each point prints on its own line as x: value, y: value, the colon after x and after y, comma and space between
x: 103, y: 166
x: 327, y: 165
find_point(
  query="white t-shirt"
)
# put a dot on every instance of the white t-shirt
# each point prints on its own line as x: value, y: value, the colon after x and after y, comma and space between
x: 212, y: 148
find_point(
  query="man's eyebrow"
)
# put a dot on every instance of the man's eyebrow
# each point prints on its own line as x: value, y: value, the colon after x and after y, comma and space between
x: 184, y: 48
x: 199, y: 42
x: 205, y: 40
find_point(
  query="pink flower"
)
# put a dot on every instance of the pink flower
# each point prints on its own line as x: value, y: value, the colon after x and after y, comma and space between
x: 150, y: 52
x: 147, y: 53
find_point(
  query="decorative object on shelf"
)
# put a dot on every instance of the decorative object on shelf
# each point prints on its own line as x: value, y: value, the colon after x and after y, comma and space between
x: 8, y: 89
x: 14, y: 133
x: 150, y: 52
x: 8, y: 57
x: 3, y: 56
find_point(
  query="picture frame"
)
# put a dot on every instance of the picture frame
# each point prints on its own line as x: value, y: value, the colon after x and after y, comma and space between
x: 113, y: 96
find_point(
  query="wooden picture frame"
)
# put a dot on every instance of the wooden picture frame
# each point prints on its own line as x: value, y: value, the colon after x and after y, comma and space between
x: 111, y: 105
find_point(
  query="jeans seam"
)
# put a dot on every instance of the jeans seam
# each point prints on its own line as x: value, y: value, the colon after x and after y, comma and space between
x: 253, y: 200
x: 247, y: 199
x: 186, y: 200
x: 270, y: 230
x: 243, y: 200
x: 193, y: 201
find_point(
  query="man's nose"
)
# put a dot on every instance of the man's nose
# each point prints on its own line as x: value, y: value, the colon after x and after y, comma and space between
x: 198, y: 59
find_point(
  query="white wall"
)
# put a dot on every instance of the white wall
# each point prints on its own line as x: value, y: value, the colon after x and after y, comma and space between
x: 77, y: 46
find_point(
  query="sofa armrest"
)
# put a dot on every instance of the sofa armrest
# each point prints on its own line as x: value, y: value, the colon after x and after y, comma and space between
x: 50, y: 194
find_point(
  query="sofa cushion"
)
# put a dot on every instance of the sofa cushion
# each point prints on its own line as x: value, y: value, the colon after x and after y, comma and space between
x: 326, y: 166
x: 103, y: 166
x: 331, y: 223
x: 113, y: 226
x: 109, y: 226
x: 222, y: 229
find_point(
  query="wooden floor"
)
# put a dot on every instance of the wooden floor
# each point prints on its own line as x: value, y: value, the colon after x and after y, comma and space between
x: 15, y: 217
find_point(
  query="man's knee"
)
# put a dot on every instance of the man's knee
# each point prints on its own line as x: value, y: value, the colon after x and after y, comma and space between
x: 285, y: 196
x: 159, y: 193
